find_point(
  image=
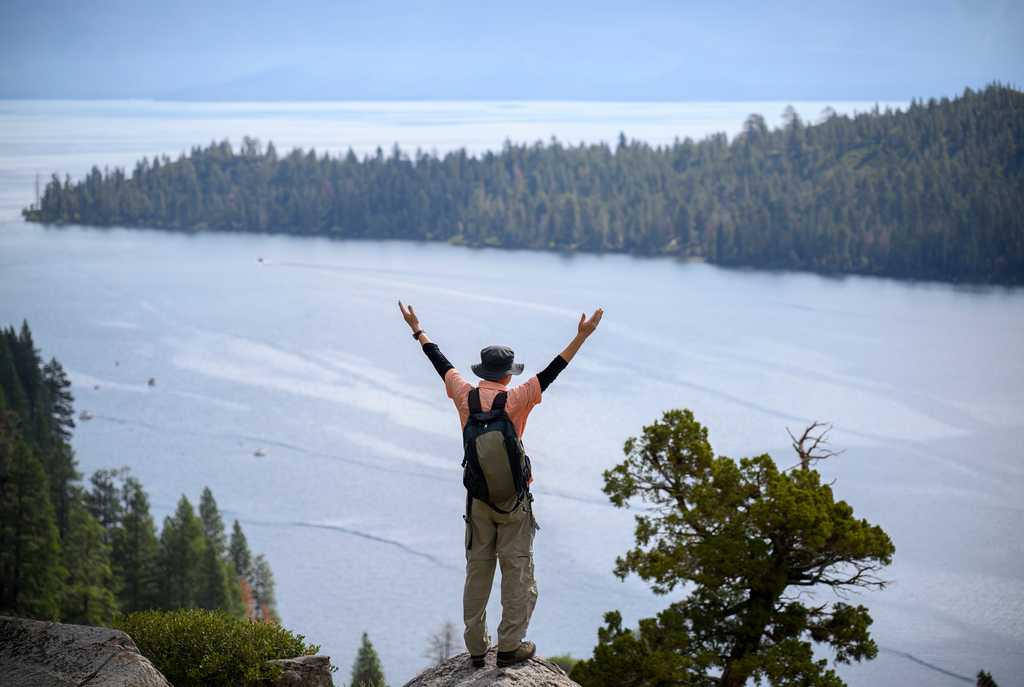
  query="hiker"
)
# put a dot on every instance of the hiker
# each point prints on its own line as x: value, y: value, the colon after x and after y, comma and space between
x: 497, y: 475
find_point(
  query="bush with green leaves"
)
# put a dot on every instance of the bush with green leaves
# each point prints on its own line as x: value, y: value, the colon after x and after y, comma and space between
x: 211, y: 648
x: 563, y: 661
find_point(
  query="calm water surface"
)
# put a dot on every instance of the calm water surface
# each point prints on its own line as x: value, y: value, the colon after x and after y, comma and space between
x: 358, y: 503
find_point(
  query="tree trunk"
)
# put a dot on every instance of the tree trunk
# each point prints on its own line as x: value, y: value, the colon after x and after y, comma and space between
x: 748, y: 639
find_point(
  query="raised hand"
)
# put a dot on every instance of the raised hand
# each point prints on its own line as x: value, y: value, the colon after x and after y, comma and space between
x: 588, y: 325
x: 410, y: 316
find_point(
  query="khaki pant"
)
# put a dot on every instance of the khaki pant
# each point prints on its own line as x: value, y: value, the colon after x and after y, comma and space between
x: 507, y: 539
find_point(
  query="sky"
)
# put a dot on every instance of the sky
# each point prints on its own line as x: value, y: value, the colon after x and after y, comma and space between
x: 519, y: 50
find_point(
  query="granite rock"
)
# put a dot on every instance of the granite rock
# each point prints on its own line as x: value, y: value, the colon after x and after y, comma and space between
x: 458, y: 671
x: 34, y: 653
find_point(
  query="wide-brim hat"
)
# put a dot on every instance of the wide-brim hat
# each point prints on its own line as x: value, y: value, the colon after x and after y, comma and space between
x: 496, y: 362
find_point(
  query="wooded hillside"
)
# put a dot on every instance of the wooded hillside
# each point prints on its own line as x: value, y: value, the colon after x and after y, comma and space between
x: 933, y: 192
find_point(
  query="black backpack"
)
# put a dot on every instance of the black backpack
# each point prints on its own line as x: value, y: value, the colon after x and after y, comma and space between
x: 496, y: 469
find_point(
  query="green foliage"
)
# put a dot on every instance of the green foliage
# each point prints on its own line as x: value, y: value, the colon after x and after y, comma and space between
x: 366, y: 669
x: 218, y: 584
x: 261, y: 578
x: 59, y: 459
x: 985, y: 679
x: 181, y: 552
x: 929, y: 192
x: 752, y: 543
x: 214, y: 586
x: 31, y: 575
x: 104, y: 499
x: 563, y: 661
x: 88, y: 596
x: 135, y: 554
x: 238, y: 551
x: 196, y: 647
x: 213, y: 523
x: 79, y: 555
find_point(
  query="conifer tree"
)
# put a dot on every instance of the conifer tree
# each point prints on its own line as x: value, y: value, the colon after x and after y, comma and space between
x: 181, y: 553
x: 367, y: 670
x: 62, y: 475
x: 213, y: 523
x: 10, y: 381
x: 749, y: 541
x: 88, y: 596
x: 238, y: 551
x: 215, y: 588
x: 263, y: 589
x: 59, y: 458
x: 104, y: 500
x: 985, y: 679
x: 135, y: 554
x: 61, y: 409
x: 31, y: 576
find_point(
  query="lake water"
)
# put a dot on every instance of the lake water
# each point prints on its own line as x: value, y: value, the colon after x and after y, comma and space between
x: 357, y: 502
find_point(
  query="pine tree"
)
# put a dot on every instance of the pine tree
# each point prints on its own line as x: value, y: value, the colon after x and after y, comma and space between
x: 58, y: 387
x: 367, y: 670
x: 10, y: 381
x: 62, y: 474
x: 746, y: 539
x: 215, y: 588
x: 88, y: 596
x: 442, y: 643
x: 104, y: 500
x: 135, y: 554
x: 213, y: 524
x: 59, y: 458
x: 238, y: 551
x: 181, y: 554
x: 985, y: 679
x: 262, y: 581
x: 31, y: 576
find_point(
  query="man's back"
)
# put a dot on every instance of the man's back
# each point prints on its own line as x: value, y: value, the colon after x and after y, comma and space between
x: 499, y: 535
x: 522, y: 398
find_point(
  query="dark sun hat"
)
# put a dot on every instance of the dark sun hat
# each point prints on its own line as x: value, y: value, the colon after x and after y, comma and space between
x: 496, y: 362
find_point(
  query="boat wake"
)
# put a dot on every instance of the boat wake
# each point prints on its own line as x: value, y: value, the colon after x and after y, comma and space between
x: 926, y: 664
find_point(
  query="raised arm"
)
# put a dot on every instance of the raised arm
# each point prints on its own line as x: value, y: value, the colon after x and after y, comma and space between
x: 431, y: 350
x: 586, y: 327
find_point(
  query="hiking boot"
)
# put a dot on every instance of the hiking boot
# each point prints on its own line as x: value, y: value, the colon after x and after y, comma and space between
x: 525, y: 651
x: 478, y: 661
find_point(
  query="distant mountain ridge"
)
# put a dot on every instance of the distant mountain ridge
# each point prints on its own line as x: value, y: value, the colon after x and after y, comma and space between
x: 932, y: 192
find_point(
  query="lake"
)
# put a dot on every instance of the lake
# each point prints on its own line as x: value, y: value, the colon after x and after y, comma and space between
x: 358, y: 501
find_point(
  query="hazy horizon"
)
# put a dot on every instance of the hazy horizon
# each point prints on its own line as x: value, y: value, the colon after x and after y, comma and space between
x: 390, y: 51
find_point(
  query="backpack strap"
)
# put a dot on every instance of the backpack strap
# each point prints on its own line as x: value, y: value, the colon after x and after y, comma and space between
x: 474, y: 401
x: 469, y: 521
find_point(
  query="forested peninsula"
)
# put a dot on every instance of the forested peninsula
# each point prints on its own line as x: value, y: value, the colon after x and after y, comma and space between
x: 931, y: 192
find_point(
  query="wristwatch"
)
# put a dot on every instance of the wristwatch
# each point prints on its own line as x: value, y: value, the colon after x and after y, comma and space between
x: 416, y: 334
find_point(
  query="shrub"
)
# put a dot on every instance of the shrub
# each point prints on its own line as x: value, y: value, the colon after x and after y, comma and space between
x: 211, y: 648
x: 563, y: 661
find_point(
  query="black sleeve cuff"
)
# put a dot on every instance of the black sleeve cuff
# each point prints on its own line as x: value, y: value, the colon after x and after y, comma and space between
x: 436, y: 357
x: 548, y: 374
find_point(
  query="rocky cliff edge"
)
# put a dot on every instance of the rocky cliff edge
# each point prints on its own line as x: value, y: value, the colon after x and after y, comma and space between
x: 34, y: 653
x: 459, y: 672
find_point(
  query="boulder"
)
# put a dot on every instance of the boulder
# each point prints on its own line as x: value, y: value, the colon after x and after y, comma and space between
x: 304, y: 671
x: 40, y: 654
x: 459, y: 672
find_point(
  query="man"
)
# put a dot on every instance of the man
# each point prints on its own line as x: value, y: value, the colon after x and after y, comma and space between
x: 494, y: 534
